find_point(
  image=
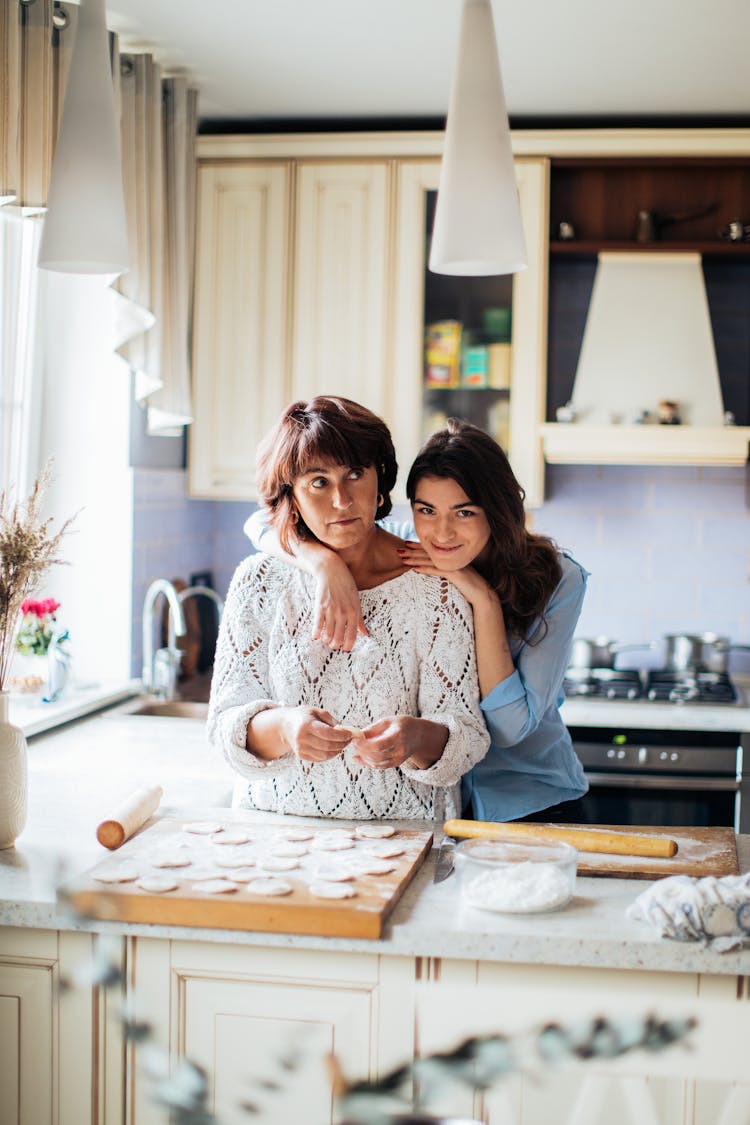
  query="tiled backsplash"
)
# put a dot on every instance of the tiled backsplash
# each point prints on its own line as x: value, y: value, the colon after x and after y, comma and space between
x: 668, y: 548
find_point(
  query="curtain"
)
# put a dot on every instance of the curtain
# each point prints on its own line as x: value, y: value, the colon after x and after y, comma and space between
x: 159, y: 121
x: 20, y: 355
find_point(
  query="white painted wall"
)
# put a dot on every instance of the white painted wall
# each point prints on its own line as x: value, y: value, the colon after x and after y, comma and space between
x: 85, y: 427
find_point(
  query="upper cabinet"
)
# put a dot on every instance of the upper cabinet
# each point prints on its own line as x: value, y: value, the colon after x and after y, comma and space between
x: 311, y: 278
x: 628, y: 201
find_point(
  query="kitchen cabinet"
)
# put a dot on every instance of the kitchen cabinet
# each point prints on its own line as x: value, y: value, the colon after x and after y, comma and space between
x: 311, y: 278
x: 686, y: 186
x: 62, y: 1054
x: 255, y: 1018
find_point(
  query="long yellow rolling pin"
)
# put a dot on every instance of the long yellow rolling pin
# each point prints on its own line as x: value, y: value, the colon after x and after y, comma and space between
x: 585, y: 839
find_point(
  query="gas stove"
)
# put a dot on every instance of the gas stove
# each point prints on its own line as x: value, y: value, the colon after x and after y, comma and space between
x: 655, y: 686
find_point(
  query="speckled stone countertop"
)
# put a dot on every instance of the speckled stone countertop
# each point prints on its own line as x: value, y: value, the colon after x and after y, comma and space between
x: 79, y: 772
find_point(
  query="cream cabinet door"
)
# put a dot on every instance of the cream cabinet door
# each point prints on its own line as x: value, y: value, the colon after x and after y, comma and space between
x: 261, y: 1022
x: 61, y: 1050
x: 529, y: 303
x: 341, y: 283
x: 240, y: 361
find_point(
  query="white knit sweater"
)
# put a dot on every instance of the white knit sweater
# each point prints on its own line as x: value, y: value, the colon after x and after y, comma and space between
x: 418, y: 660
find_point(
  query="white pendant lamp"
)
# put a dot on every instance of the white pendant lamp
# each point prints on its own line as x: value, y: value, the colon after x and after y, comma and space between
x: 84, y: 228
x: 477, y: 229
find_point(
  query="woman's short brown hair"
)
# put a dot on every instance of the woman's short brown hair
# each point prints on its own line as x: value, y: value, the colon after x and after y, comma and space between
x: 329, y: 428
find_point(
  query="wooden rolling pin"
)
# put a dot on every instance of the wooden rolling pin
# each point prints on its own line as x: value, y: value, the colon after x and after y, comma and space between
x: 129, y: 816
x: 585, y: 839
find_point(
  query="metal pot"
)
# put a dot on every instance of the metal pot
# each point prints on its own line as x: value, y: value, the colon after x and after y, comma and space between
x: 699, y: 652
x: 598, y: 653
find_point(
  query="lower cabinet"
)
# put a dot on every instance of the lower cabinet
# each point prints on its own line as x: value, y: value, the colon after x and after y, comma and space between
x: 61, y: 1054
x: 265, y: 1023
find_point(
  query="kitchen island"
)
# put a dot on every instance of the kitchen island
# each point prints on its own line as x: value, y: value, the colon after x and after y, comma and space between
x: 230, y: 998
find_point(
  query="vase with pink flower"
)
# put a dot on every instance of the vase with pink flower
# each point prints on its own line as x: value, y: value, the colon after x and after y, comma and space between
x: 37, y: 627
x: 28, y: 548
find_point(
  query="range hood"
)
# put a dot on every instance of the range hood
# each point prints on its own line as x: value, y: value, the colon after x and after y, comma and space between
x: 648, y: 338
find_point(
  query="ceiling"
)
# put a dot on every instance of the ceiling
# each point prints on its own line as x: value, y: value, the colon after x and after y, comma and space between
x: 296, y: 60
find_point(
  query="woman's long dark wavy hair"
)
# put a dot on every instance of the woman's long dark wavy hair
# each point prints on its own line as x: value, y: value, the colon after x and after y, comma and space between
x: 522, y: 567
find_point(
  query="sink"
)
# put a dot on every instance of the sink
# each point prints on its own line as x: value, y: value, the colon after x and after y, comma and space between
x: 171, y: 709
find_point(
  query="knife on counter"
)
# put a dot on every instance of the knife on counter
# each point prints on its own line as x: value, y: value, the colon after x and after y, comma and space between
x: 444, y: 862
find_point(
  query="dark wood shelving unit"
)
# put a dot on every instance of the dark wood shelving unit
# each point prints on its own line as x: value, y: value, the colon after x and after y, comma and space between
x: 587, y: 247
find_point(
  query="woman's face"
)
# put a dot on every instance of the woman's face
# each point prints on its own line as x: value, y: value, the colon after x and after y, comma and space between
x: 337, y: 502
x: 452, y: 530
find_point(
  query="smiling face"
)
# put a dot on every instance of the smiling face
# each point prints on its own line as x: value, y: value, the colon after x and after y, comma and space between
x: 452, y: 530
x: 337, y: 503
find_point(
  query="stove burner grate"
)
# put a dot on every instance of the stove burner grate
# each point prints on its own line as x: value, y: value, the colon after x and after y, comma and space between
x: 692, y: 687
x: 602, y: 683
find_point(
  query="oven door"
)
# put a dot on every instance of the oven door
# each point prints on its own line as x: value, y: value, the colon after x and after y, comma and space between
x: 621, y: 798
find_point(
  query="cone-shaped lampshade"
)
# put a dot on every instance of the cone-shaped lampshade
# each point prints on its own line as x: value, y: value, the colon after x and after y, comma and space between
x: 477, y: 227
x: 84, y: 229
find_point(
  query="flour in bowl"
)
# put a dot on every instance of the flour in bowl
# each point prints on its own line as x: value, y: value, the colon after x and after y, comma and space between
x: 519, y: 888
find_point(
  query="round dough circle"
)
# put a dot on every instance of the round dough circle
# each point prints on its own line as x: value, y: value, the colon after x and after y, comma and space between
x: 297, y: 834
x: 375, y: 866
x: 385, y: 851
x: 269, y: 887
x: 287, y: 848
x: 158, y: 884
x: 241, y: 875
x: 216, y: 887
x: 278, y: 863
x: 203, y: 827
x: 333, y: 874
x: 123, y: 873
x: 170, y: 859
x: 331, y: 890
x: 200, y: 874
x: 375, y: 831
x: 332, y: 843
x: 230, y: 859
x: 230, y: 836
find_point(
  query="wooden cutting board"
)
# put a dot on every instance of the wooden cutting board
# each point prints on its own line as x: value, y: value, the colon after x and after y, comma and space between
x: 297, y: 913
x: 700, y: 851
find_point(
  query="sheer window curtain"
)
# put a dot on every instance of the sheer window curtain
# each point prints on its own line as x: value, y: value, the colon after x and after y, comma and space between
x: 151, y: 320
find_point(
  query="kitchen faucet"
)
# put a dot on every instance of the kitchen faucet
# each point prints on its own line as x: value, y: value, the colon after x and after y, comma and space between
x: 192, y: 592
x: 160, y: 668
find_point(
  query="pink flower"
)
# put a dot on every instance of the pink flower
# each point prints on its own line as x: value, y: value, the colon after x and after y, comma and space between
x: 40, y: 609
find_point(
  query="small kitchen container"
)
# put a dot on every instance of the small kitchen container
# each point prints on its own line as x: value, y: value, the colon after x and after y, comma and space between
x: 527, y: 877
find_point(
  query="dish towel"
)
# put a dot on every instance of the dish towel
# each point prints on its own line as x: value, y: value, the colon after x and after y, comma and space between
x: 713, y: 911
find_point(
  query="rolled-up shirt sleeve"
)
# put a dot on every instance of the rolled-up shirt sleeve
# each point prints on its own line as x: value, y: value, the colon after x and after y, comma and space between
x: 516, y: 706
x: 448, y: 686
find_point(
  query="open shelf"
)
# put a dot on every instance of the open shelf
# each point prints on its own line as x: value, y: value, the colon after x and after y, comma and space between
x: 579, y: 444
x: 588, y: 247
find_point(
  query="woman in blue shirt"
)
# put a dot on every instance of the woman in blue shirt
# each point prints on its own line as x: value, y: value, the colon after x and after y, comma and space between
x: 526, y: 596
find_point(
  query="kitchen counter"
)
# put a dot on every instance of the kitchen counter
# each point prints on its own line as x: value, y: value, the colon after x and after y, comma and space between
x: 79, y: 772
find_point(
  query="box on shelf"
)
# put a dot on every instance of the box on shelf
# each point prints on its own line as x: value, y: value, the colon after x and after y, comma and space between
x: 499, y: 366
x: 496, y: 323
x: 475, y: 367
x: 442, y: 353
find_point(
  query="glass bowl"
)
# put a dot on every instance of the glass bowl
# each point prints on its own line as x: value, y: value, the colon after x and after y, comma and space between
x: 527, y: 877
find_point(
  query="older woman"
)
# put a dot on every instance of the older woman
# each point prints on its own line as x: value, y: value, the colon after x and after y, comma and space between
x: 384, y: 730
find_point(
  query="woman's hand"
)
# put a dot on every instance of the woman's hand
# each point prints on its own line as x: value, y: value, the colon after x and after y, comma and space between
x: 401, y: 739
x: 310, y: 734
x: 337, y: 611
x: 471, y: 584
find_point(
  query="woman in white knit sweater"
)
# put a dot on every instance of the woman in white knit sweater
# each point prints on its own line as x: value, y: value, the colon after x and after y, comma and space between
x: 387, y: 729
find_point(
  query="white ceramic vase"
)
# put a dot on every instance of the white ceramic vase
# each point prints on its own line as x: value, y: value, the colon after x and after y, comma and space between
x: 13, y: 777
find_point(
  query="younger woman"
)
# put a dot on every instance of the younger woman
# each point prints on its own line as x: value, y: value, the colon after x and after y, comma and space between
x: 526, y: 598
